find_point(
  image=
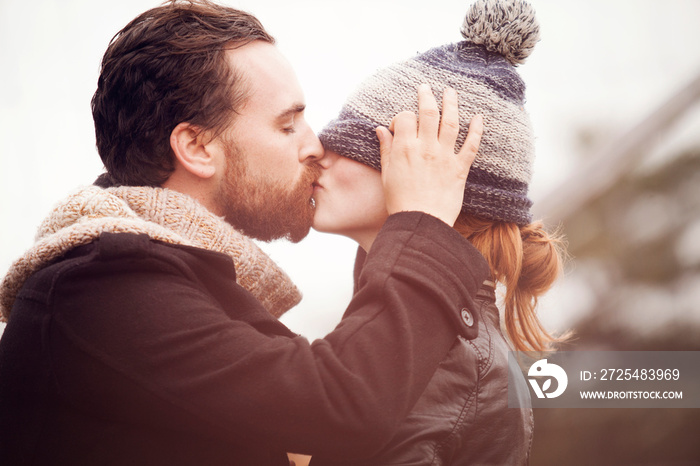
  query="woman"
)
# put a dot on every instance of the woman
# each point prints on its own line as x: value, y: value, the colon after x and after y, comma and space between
x: 463, y: 416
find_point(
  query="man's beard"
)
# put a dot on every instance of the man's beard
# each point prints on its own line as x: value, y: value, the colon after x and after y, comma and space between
x: 262, y: 210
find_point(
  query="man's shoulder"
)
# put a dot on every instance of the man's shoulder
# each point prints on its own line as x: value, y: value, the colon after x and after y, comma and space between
x: 117, y: 246
x: 122, y: 254
x: 132, y: 277
x: 110, y: 247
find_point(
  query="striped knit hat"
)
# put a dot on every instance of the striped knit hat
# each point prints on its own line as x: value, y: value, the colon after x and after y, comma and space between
x: 499, y: 34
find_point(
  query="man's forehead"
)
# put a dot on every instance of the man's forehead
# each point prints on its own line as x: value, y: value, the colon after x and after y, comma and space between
x: 270, y: 79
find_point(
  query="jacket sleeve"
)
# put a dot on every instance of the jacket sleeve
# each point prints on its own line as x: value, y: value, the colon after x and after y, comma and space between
x: 164, y: 345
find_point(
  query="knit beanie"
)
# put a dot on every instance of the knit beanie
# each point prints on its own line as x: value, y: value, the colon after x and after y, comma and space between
x: 498, y: 35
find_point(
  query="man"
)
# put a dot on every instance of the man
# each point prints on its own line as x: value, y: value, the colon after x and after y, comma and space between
x: 142, y: 327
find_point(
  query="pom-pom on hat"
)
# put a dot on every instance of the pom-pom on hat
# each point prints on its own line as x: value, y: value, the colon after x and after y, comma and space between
x: 499, y: 35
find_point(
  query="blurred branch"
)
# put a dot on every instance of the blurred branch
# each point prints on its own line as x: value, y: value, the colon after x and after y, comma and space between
x: 614, y: 160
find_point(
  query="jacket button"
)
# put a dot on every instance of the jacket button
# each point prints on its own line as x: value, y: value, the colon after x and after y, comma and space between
x: 467, y: 317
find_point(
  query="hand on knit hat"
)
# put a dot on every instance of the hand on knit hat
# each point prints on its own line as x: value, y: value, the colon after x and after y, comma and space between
x: 498, y: 35
x: 420, y: 170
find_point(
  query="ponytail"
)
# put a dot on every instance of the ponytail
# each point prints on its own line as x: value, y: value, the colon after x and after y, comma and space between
x: 526, y: 260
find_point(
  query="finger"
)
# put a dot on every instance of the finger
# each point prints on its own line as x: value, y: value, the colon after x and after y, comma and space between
x: 404, y: 126
x: 385, y: 142
x: 449, y: 123
x: 428, y: 113
x: 471, y: 144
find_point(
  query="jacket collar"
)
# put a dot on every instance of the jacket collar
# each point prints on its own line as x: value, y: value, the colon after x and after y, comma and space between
x: 163, y: 215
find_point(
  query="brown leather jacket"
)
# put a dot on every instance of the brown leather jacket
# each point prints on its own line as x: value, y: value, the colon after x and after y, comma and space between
x: 463, y: 417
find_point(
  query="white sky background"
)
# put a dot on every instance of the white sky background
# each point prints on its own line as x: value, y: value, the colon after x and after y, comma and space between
x: 601, y: 65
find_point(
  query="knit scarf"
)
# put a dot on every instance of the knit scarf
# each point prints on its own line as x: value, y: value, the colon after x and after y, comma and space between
x: 163, y: 215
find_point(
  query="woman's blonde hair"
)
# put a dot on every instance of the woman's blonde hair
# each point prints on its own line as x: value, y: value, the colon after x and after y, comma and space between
x: 526, y: 260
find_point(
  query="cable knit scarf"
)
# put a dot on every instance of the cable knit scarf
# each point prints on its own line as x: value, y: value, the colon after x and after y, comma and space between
x: 163, y: 215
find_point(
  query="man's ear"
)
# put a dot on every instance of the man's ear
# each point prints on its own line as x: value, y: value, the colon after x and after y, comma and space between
x: 193, y: 151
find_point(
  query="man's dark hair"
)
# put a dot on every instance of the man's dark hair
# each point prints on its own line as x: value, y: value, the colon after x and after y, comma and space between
x: 166, y: 67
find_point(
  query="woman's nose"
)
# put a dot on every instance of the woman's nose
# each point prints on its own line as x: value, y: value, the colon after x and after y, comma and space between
x: 328, y: 159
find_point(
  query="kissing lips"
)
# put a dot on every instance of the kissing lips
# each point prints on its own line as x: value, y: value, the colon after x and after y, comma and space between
x: 315, y: 186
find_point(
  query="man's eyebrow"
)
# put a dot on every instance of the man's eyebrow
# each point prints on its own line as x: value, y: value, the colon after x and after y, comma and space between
x: 293, y: 110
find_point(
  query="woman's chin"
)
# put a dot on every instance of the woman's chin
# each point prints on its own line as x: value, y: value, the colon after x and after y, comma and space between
x: 319, y: 224
x: 324, y: 224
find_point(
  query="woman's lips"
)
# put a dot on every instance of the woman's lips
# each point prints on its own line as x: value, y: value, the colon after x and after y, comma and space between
x: 315, y: 187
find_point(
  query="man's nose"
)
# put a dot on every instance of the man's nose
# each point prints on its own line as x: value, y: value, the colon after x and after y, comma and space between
x: 312, y: 150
